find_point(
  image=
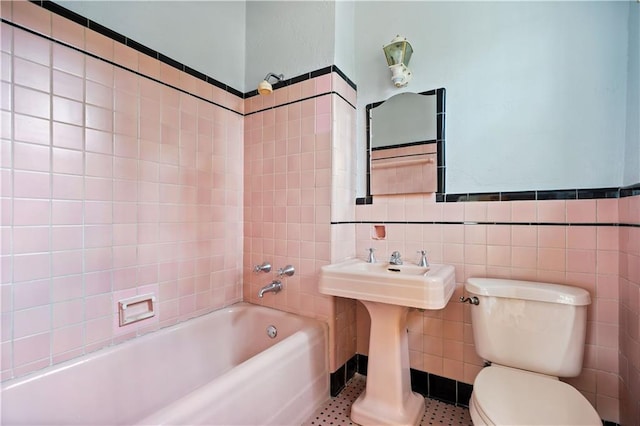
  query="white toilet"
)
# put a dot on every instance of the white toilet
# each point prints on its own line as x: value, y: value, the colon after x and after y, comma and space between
x: 532, y: 333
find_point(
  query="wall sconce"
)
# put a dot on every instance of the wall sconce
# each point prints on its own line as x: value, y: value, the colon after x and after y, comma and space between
x: 264, y: 88
x: 398, y: 54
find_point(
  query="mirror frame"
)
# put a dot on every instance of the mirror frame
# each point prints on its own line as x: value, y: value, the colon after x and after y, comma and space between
x: 440, y: 143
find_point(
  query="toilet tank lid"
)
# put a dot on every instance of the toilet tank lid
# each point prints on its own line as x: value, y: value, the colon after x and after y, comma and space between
x: 528, y: 290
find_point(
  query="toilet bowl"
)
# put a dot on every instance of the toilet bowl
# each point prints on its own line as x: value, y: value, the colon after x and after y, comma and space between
x: 506, y: 396
x: 531, y: 333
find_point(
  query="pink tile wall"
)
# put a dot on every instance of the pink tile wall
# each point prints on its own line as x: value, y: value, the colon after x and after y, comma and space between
x: 581, y: 255
x: 112, y: 185
x: 629, y: 311
x: 297, y: 159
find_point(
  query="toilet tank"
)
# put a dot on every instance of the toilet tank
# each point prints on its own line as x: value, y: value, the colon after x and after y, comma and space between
x: 532, y: 326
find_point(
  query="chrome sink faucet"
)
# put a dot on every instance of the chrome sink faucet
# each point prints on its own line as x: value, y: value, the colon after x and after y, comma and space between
x: 274, y: 287
x: 396, y: 259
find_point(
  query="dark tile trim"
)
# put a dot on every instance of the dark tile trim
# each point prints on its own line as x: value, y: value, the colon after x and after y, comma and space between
x: 364, y: 200
x: 307, y: 76
x: 339, y: 378
x: 301, y: 100
x: 107, y: 32
x: 427, y: 384
x: 422, y: 382
x: 630, y: 191
x: 63, y: 11
x: 559, y: 194
x: 444, y: 222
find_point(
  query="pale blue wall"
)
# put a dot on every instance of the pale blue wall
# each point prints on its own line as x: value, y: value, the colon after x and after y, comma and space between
x: 208, y: 36
x: 540, y: 95
x: 290, y: 37
x: 536, y: 91
x: 632, y: 146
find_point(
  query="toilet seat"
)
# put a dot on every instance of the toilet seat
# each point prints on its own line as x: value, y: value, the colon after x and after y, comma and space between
x: 506, y: 396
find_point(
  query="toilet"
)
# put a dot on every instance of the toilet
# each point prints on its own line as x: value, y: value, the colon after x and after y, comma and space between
x: 531, y: 333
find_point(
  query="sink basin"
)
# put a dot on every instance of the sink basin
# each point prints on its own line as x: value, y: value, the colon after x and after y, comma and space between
x: 408, y: 285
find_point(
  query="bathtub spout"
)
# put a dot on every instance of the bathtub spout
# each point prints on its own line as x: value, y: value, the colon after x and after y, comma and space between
x: 274, y: 287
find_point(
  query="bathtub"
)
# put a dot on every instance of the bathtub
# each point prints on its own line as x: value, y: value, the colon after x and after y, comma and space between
x: 221, y: 368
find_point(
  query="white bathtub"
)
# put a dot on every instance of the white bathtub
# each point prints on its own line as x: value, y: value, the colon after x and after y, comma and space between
x: 220, y: 368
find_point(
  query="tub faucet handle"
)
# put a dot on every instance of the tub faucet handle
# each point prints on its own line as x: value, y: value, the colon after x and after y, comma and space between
x: 423, y: 259
x: 288, y: 270
x: 265, y: 267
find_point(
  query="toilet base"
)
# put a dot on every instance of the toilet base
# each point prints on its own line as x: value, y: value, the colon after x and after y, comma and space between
x: 371, y: 412
x: 476, y: 417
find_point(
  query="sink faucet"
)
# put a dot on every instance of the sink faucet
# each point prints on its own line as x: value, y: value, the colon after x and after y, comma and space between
x: 274, y: 287
x: 395, y: 258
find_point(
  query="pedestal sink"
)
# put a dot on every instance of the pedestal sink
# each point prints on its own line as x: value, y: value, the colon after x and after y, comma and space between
x: 387, y: 291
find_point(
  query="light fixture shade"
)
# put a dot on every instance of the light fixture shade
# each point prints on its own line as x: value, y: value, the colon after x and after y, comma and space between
x: 398, y: 54
x: 399, y: 51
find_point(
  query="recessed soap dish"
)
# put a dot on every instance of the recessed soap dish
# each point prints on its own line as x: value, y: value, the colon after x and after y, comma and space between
x: 136, y: 308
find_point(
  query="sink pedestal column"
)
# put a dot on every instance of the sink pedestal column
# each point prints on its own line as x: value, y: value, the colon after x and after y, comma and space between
x: 388, y: 399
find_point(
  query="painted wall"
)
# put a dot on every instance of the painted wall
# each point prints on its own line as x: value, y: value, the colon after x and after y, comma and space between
x: 536, y: 91
x: 530, y: 85
x: 290, y: 37
x: 632, y: 147
x: 208, y: 36
x: 345, y: 38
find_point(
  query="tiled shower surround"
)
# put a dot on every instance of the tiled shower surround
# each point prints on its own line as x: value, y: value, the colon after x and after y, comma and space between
x: 113, y: 184
x: 117, y: 181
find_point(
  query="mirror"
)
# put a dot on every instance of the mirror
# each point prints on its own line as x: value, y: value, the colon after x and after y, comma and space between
x: 405, y: 144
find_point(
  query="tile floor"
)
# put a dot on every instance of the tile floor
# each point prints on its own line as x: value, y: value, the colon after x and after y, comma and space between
x: 336, y: 411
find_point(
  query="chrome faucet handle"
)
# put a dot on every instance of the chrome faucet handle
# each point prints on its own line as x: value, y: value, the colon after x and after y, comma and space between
x: 396, y: 258
x: 372, y: 256
x: 423, y: 258
x: 265, y: 267
x: 288, y: 270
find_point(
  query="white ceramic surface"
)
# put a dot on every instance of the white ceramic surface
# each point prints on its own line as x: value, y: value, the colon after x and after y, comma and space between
x: 219, y: 368
x: 405, y: 285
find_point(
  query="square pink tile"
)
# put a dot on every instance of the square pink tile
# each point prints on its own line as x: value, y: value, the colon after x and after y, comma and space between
x: 31, y: 348
x: 30, y: 74
x: 31, y: 129
x: 67, y: 161
x: 30, y: 46
x: 68, y: 111
x: 68, y: 60
x: 30, y: 16
x: 31, y: 157
x: 67, y: 136
x: 31, y: 184
x: 31, y: 102
x: 67, y: 31
x: 30, y: 239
